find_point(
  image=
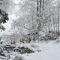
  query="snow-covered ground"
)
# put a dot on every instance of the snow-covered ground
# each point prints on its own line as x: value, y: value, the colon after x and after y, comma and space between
x: 43, y: 51
x: 51, y: 52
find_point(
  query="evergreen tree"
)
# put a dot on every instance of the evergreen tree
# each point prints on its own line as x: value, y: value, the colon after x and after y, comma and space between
x: 3, y: 18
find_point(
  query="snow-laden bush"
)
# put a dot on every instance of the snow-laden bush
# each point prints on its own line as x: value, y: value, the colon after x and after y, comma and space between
x: 18, y: 58
x: 49, y: 36
x: 23, y: 50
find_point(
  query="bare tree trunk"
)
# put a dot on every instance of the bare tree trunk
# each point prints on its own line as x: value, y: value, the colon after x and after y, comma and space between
x: 58, y: 17
x: 40, y: 5
x: 37, y: 8
x: 43, y: 4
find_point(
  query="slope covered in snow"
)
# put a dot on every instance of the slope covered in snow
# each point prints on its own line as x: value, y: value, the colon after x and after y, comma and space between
x: 42, y: 51
x: 51, y: 52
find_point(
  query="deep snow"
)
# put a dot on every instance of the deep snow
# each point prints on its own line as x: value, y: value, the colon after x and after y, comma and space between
x: 51, y: 52
x: 43, y: 51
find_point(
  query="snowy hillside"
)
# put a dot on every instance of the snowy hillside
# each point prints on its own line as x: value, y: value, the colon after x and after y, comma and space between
x: 42, y: 51
x: 29, y: 30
